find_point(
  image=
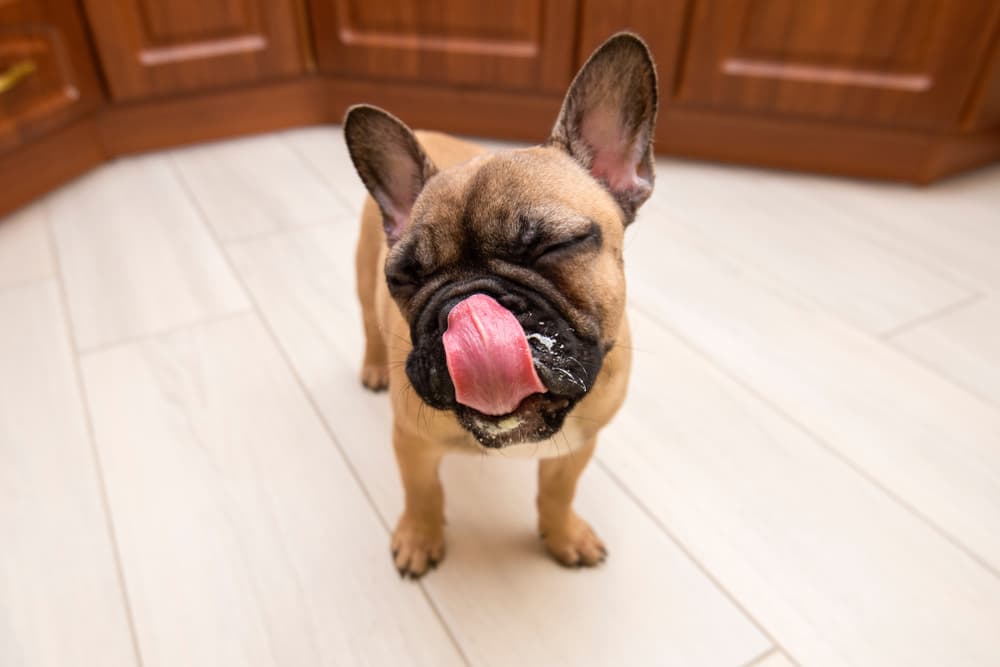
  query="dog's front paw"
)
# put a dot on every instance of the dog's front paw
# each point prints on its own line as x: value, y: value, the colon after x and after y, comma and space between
x: 417, y: 546
x: 574, y: 543
x: 375, y: 376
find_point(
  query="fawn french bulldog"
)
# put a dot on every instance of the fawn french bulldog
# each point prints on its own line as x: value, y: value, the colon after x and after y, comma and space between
x: 492, y: 284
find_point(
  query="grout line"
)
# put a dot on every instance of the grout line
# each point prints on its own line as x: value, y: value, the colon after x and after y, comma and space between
x: 806, y: 193
x: 709, y: 245
x: 70, y: 333
x: 149, y: 335
x: 282, y: 231
x: 303, y: 387
x: 953, y: 307
x: 822, y: 442
x: 762, y: 657
x: 945, y: 378
x: 316, y: 171
x: 779, y: 290
x: 658, y: 522
x: 908, y: 249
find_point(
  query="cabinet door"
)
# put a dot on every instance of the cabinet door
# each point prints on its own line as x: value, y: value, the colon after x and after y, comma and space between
x: 514, y: 45
x: 161, y: 47
x: 46, y: 74
x: 900, y: 62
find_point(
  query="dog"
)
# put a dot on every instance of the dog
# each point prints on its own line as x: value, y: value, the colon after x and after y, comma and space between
x: 492, y: 284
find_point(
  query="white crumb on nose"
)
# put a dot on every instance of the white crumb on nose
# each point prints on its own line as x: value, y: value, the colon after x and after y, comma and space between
x: 547, y: 342
x: 503, y: 426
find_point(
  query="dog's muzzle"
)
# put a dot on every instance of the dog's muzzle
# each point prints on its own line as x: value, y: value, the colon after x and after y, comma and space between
x: 565, y: 363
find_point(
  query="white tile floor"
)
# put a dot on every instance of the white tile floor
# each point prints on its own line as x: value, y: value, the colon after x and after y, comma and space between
x: 807, y: 469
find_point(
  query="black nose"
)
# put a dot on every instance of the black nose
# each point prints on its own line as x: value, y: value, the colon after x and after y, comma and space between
x: 512, y: 302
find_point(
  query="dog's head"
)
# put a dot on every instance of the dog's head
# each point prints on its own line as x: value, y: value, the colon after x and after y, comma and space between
x: 508, y: 267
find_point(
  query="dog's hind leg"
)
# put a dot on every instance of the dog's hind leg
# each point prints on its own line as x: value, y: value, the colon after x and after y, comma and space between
x: 374, y: 366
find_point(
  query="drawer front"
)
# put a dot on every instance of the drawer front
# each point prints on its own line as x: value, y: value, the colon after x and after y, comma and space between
x: 906, y: 63
x: 520, y: 45
x: 155, y: 48
x: 46, y: 77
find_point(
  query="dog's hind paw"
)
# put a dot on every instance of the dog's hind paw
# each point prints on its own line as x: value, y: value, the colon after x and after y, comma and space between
x: 375, y: 376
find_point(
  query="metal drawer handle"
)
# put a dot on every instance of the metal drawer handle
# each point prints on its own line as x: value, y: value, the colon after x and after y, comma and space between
x: 14, y: 74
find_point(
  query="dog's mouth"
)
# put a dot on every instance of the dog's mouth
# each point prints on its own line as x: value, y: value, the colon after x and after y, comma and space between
x: 511, y: 368
x: 537, y: 417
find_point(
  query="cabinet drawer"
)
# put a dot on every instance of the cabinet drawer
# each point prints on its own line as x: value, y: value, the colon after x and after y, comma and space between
x: 906, y: 63
x: 44, y: 81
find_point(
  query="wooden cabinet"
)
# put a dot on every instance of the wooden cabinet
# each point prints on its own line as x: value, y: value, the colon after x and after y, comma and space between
x: 899, y: 89
x: 46, y: 73
x: 903, y: 63
x: 520, y: 45
x: 154, y: 48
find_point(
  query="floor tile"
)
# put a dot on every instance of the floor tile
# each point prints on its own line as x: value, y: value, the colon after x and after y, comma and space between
x: 60, y: 598
x: 255, y: 185
x: 135, y: 256
x: 245, y: 539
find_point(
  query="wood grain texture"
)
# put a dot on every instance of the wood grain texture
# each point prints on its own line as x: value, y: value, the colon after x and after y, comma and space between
x: 255, y: 186
x: 813, y: 252
x: 522, y: 45
x: 135, y: 255
x: 64, y: 85
x: 928, y: 442
x: 701, y: 134
x: 983, y: 110
x: 245, y: 539
x: 855, y: 150
x: 24, y: 246
x: 48, y: 162
x: 962, y: 344
x: 60, y: 598
x: 509, y: 115
x: 151, y: 49
x: 838, y: 572
x: 218, y: 114
x: 497, y: 589
x: 849, y: 60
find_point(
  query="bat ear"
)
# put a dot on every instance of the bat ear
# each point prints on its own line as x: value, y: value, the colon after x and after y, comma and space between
x: 390, y: 162
x: 608, y: 117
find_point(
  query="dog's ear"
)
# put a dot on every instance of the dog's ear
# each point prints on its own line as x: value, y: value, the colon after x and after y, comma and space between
x: 607, y: 120
x: 390, y: 161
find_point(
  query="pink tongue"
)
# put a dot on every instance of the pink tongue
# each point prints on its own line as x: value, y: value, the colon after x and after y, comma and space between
x: 489, y: 358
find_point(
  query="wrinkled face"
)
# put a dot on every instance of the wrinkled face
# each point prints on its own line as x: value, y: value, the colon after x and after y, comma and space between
x: 535, y: 232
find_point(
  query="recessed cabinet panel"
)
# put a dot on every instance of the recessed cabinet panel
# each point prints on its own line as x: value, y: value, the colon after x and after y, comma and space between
x: 518, y: 45
x: 152, y: 47
x: 909, y: 63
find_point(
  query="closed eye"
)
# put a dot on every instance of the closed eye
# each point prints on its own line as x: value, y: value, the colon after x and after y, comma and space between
x: 397, y: 282
x: 556, y: 247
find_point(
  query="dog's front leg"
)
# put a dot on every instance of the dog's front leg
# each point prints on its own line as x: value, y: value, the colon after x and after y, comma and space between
x: 418, y: 541
x: 568, y: 538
